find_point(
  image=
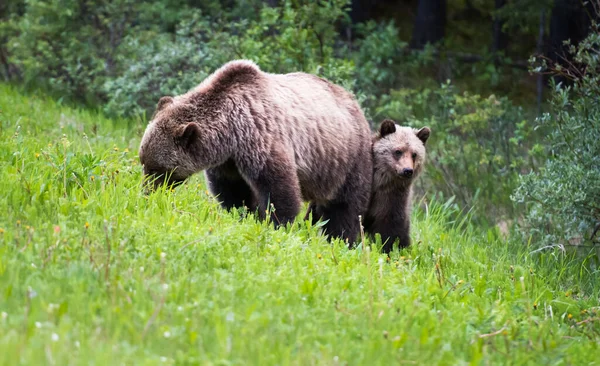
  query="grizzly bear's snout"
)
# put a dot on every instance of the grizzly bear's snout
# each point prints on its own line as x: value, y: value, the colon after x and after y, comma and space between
x: 407, y: 173
x: 156, y: 180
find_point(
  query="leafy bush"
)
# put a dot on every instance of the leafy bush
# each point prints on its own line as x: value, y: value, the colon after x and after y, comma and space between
x: 71, y: 46
x: 378, y: 57
x: 296, y: 37
x: 166, y: 65
x: 9, y: 10
x: 563, y: 196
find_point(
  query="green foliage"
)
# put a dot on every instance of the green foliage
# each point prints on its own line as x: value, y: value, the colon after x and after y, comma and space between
x: 478, y: 145
x: 563, y: 197
x: 71, y: 45
x: 9, y: 9
x: 75, y: 47
x: 164, y: 65
x: 524, y: 15
x: 295, y: 36
x: 94, y: 271
x: 381, y: 61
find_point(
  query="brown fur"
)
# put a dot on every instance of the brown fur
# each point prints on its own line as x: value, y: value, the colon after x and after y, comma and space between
x: 398, y: 158
x: 267, y: 138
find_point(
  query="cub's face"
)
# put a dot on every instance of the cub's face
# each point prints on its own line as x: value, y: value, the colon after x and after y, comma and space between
x: 398, y: 153
x: 165, y: 152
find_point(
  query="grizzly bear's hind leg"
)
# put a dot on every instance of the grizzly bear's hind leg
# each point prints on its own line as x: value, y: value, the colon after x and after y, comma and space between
x: 277, y: 187
x: 342, y: 220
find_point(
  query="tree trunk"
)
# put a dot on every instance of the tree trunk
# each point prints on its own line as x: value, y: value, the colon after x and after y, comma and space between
x: 540, y: 51
x: 500, y: 39
x: 430, y: 23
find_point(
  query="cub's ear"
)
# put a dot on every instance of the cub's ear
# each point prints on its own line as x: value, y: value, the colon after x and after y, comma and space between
x: 188, y: 134
x: 423, y: 134
x: 162, y: 102
x: 387, y: 126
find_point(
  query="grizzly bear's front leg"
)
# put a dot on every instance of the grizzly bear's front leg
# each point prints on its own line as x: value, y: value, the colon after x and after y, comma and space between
x: 342, y: 220
x: 228, y: 186
x: 343, y: 212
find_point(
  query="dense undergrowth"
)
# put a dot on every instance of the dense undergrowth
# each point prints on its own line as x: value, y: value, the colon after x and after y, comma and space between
x: 91, y: 269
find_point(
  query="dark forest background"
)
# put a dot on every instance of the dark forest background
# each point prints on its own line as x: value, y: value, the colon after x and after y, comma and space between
x: 509, y: 88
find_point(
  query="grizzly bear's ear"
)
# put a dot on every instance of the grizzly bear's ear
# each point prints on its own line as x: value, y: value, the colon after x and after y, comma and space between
x: 423, y: 134
x: 188, y: 134
x: 387, y: 126
x: 162, y: 102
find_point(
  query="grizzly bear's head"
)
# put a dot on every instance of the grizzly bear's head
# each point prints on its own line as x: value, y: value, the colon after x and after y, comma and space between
x: 167, y: 150
x: 398, y: 154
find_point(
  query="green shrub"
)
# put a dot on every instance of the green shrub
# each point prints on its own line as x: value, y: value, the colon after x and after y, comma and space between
x: 292, y: 37
x: 165, y: 65
x: 378, y: 56
x: 563, y: 196
x: 9, y: 10
x: 71, y: 46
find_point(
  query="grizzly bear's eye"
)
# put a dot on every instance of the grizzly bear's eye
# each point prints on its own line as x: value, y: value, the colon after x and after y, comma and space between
x: 414, y: 156
x: 398, y: 153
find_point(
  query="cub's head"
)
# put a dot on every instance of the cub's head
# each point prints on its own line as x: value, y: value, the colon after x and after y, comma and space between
x: 166, y: 151
x: 398, y: 153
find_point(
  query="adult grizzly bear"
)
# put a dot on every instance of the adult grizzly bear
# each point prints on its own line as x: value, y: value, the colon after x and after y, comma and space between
x: 398, y: 158
x: 267, y: 139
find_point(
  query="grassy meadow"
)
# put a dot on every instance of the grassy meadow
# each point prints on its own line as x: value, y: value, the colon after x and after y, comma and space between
x: 92, y: 271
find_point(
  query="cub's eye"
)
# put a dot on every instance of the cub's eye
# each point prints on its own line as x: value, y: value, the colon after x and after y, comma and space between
x: 398, y: 153
x: 414, y: 156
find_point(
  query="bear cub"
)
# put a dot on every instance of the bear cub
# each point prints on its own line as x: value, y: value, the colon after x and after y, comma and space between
x: 398, y: 158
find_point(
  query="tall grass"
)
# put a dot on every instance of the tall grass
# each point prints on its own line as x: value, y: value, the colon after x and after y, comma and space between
x: 93, y: 271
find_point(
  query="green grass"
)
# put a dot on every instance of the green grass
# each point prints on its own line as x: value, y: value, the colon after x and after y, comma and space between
x: 94, y: 272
